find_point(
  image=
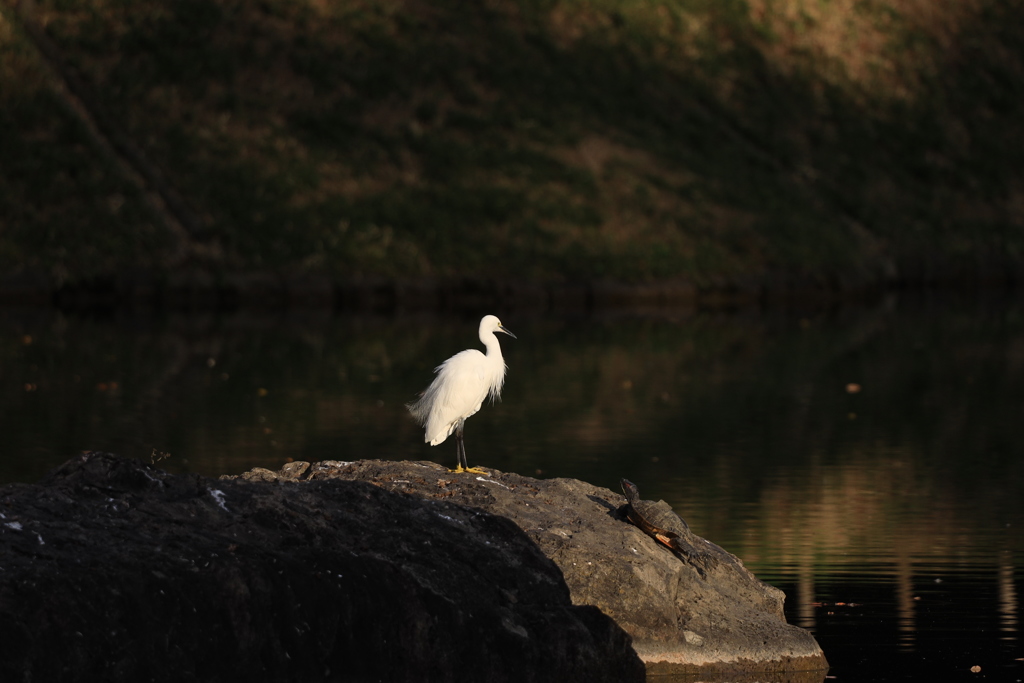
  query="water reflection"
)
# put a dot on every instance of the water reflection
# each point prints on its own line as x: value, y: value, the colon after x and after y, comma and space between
x: 1009, y: 609
x: 865, y: 460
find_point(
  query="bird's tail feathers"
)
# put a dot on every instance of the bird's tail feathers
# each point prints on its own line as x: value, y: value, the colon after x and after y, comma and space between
x: 420, y: 408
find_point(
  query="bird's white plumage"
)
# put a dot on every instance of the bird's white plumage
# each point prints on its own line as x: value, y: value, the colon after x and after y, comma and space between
x: 461, y: 385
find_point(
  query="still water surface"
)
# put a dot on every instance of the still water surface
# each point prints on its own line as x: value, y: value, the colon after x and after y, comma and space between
x: 866, y: 460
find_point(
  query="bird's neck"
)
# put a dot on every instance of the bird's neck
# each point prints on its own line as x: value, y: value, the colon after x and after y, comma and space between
x: 491, y: 342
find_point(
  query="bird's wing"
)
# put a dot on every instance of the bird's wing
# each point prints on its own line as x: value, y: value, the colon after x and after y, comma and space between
x: 457, y: 392
x: 462, y: 384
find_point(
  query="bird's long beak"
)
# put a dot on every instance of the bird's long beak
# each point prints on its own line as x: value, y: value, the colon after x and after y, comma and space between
x: 502, y: 328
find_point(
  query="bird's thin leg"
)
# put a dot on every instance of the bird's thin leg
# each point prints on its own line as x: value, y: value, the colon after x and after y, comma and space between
x: 463, y: 465
x: 460, y: 448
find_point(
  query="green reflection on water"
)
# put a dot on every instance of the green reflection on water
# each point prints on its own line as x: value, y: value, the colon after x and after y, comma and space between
x: 792, y: 439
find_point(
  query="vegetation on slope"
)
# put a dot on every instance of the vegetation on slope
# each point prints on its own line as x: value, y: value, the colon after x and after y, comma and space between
x: 843, y: 141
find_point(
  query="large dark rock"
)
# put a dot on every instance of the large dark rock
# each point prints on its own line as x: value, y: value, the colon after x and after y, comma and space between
x: 701, y: 612
x: 115, y: 571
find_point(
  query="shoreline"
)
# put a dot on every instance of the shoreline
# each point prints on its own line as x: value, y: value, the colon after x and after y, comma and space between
x: 227, y: 292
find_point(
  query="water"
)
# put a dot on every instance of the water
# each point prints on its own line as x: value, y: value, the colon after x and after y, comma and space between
x: 865, y: 459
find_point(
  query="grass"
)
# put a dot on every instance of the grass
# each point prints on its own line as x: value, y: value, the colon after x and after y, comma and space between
x: 844, y: 142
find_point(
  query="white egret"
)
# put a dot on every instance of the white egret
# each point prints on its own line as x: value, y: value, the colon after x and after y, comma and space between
x: 459, y: 389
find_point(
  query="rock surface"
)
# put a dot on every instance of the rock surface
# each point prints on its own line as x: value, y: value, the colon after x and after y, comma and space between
x: 698, y: 612
x: 116, y: 571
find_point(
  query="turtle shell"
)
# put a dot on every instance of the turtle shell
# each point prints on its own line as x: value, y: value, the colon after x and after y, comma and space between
x: 660, y: 515
x: 655, y: 519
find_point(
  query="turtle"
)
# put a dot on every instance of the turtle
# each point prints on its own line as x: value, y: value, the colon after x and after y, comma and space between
x: 660, y: 522
x: 657, y: 520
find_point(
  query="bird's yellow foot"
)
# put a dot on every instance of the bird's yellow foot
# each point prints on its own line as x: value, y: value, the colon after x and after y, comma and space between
x: 471, y: 470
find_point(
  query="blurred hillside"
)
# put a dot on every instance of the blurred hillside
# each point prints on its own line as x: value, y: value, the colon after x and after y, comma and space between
x: 713, y: 142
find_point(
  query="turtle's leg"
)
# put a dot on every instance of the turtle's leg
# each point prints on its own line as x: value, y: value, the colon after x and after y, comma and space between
x: 667, y: 541
x: 463, y: 465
